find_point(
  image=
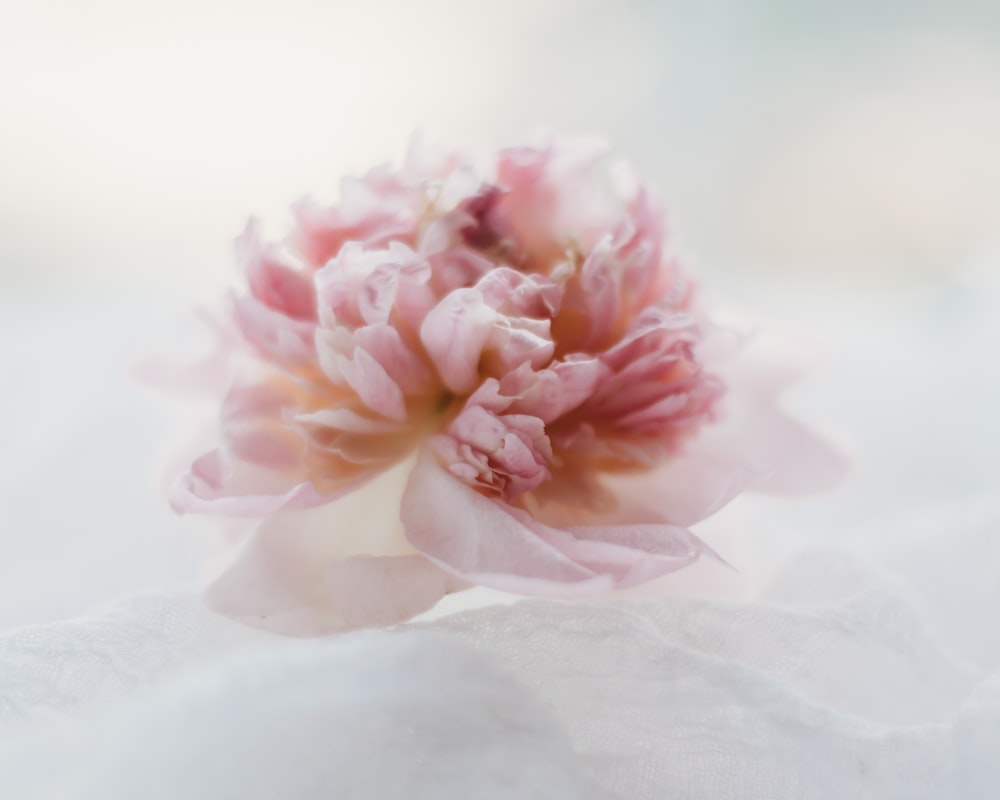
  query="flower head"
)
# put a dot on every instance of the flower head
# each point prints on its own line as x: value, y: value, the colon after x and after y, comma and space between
x: 508, y: 339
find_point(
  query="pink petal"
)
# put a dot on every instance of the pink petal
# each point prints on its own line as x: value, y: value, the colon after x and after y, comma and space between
x: 596, y: 297
x: 633, y: 553
x: 346, y: 419
x: 339, y: 282
x: 274, y: 281
x: 219, y: 485
x: 372, y: 211
x: 514, y: 342
x: 457, y: 267
x: 405, y: 367
x: 688, y: 488
x: 454, y: 334
x: 519, y: 295
x: 485, y: 541
x: 373, y: 384
x: 279, y: 338
x: 782, y: 455
x: 552, y: 392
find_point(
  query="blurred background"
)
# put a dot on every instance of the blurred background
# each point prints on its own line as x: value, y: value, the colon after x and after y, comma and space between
x: 833, y: 166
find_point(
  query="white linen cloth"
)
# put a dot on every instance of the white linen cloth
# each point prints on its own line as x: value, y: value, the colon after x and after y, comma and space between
x: 838, y: 681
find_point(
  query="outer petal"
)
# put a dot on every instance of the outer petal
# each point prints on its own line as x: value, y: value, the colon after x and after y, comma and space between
x: 274, y: 280
x: 279, y: 338
x: 632, y: 553
x: 493, y: 544
x: 781, y: 454
x: 374, y: 210
x: 486, y: 541
x: 688, y: 488
x: 218, y: 484
x: 341, y: 566
x: 754, y: 445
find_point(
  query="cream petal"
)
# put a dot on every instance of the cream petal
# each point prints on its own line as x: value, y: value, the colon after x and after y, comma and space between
x: 343, y: 565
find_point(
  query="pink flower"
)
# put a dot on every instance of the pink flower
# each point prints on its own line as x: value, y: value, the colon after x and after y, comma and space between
x: 505, y: 354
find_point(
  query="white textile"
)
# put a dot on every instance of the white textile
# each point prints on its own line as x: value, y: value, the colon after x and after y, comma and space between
x: 838, y: 681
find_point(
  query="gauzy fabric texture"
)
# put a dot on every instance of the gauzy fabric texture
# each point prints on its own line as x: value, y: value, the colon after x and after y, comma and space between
x: 838, y: 680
